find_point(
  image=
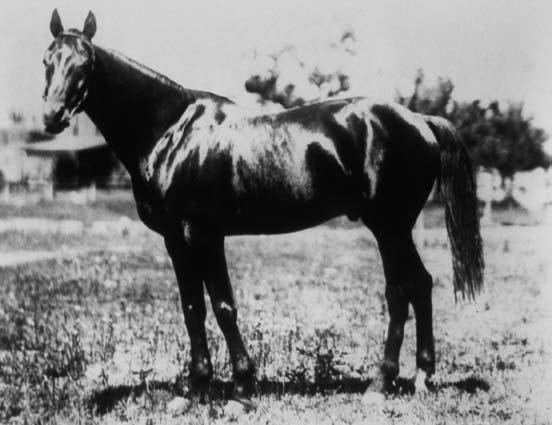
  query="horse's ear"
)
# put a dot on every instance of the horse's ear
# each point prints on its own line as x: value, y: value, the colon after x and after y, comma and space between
x: 55, y: 24
x: 89, y: 25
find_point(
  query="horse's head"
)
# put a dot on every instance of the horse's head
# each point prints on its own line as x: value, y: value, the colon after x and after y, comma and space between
x: 69, y: 62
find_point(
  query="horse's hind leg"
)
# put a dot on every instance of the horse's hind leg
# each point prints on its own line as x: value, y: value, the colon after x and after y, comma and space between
x: 219, y: 287
x: 392, y: 253
x: 420, y: 299
x: 407, y: 281
x: 419, y: 294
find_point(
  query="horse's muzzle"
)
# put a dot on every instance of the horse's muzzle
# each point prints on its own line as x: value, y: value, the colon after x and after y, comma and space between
x: 56, y: 128
x: 55, y: 120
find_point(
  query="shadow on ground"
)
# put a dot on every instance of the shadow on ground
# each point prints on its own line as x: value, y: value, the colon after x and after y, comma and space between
x: 103, y: 401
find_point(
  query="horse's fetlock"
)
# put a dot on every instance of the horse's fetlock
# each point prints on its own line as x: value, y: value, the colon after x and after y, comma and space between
x: 389, y: 369
x: 244, y: 368
x: 201, y: 370
x: 425, y: 360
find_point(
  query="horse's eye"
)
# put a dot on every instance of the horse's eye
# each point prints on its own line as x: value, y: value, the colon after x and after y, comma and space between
x: 77, y: 72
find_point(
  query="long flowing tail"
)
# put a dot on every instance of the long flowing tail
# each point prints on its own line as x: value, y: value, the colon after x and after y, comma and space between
x: 461, y: 213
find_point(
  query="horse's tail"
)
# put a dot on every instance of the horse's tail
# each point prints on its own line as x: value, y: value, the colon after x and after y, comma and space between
x: 461, y: 210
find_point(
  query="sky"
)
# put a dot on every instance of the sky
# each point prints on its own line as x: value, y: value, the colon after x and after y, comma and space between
x: 490, y: 49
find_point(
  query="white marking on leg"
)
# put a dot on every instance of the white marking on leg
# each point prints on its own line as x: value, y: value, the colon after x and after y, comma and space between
x: 420, y: 381
x: 225, y: 306
x: 187, y: 233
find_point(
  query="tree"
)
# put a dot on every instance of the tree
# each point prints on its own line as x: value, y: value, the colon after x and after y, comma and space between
x: 430, y: 100
x: 501, y: 138
x: 287, y: 78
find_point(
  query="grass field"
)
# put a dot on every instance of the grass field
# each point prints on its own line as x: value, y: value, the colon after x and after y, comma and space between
x: 99, y: 337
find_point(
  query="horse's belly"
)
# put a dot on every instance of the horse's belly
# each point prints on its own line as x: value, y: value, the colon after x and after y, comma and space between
x: 276, y: 200
x: 270, y: 216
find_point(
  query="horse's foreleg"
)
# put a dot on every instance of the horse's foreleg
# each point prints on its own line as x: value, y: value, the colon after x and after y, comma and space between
x: 222, y: 299
x: 186, y: 266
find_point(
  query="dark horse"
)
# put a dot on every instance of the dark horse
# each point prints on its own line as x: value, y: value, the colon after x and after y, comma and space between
x: 203, y: 168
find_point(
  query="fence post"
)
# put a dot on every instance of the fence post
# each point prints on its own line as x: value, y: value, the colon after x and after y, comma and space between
x: 48, y: 190
x: 485, y: 194
x: 5, y: 195
x: 91, y: 192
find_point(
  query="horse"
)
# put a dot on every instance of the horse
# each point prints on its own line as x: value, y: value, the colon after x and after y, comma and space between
x: 203, y: 168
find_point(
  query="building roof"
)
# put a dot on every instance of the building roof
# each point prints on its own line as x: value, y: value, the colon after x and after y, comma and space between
x: 65, y: 143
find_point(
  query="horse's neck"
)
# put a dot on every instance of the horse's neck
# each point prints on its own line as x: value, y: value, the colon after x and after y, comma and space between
x: 132, y: 106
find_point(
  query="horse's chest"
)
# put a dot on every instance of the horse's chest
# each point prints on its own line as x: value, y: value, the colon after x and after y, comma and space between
x: 184, y: 181
x: 149, y: 205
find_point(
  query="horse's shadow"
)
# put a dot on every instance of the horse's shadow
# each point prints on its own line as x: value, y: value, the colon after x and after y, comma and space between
x: 104, y: 400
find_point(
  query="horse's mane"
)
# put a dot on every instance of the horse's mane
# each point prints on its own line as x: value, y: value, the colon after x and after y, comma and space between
x: 131, y: 63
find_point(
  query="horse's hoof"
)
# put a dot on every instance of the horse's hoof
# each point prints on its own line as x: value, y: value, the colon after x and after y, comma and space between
x: 244, y: 389
x: 373, y: 398
x: 200, y: 393
x: 242, y: 394
x: 246, y: 402
x: 200, y: 398
x: 420, y: 382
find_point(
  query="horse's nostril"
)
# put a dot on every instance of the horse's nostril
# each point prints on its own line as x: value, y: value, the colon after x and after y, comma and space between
x: 58, y: 114
x: 52, y: 115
